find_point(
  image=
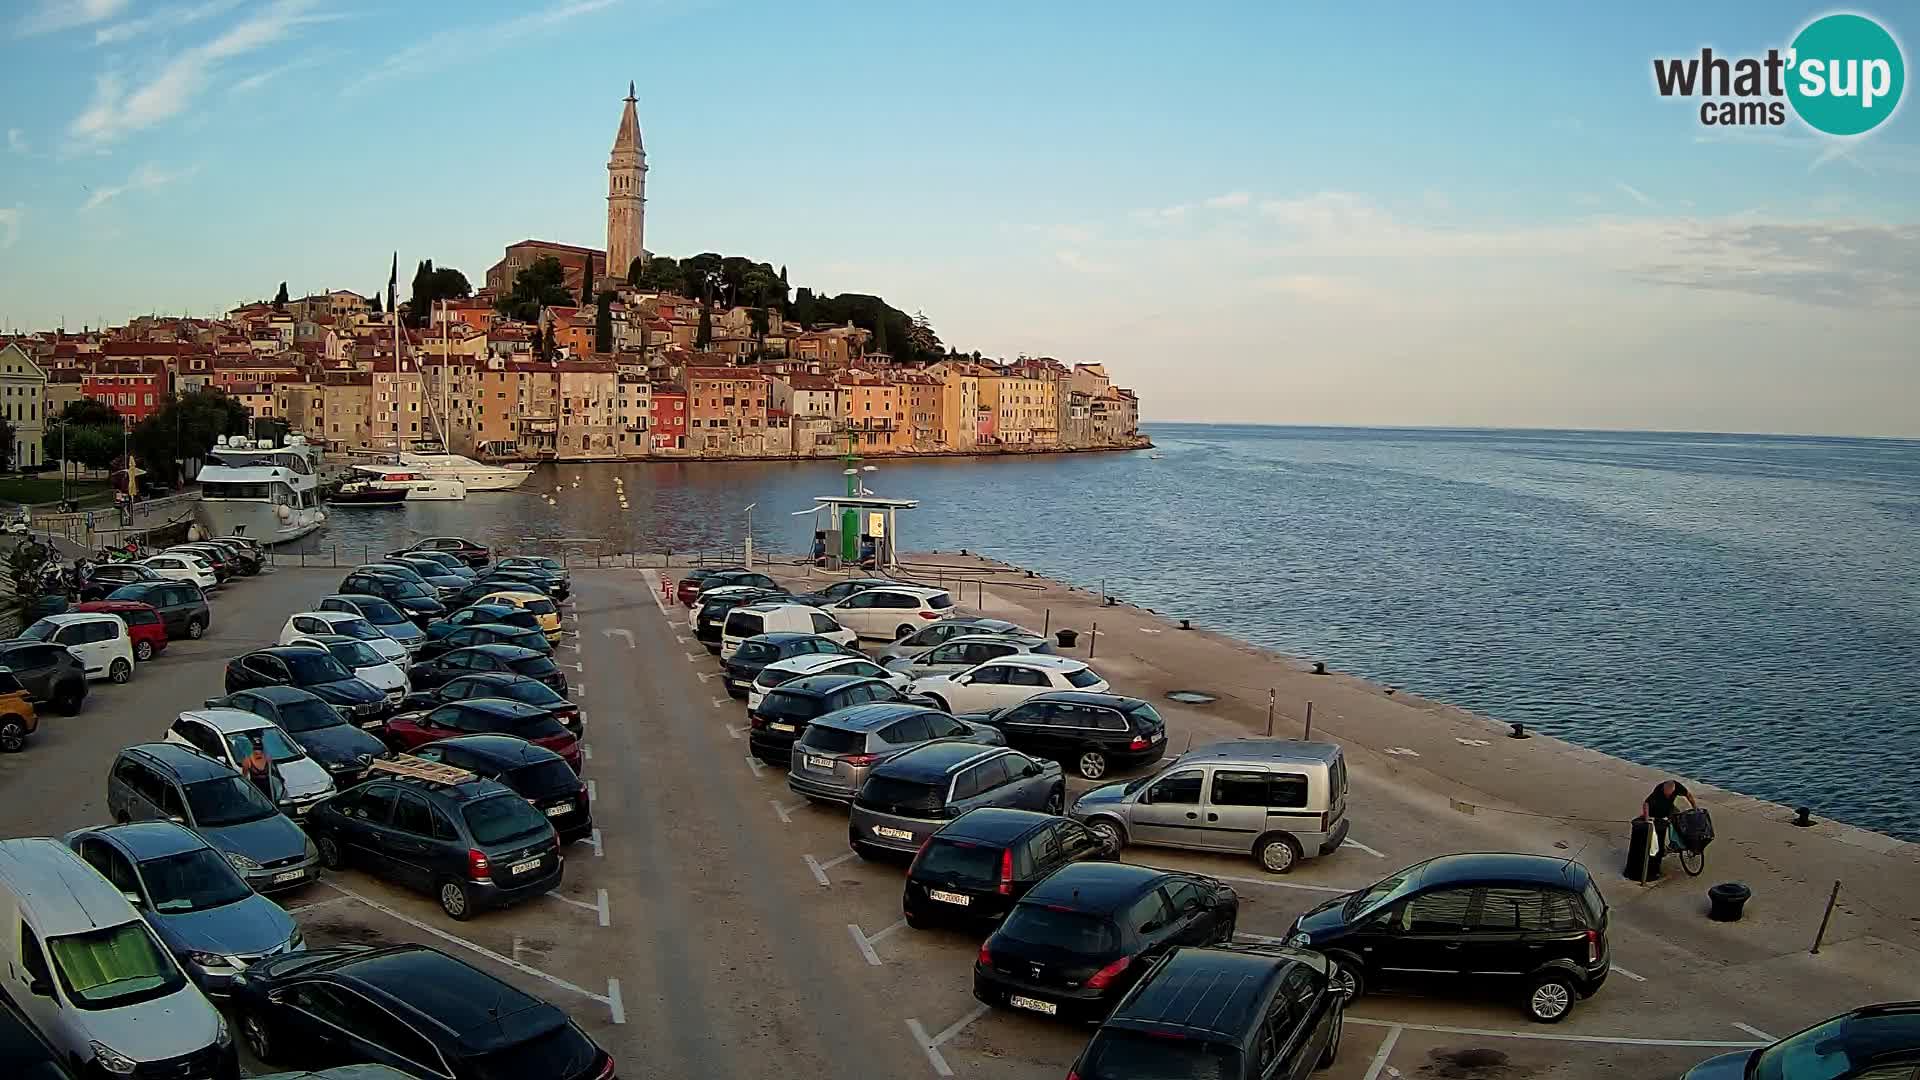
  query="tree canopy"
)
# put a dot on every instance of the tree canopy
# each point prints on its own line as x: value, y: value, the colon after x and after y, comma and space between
x: 603, y: 323
x: 197, y: 418
x: 280, y: 298
x: 544, y: 284
x: 430, y: 286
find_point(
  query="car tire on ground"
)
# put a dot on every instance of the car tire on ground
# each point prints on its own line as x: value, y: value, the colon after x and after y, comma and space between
x: 1276, y: 853
x: 121, y: 670
x: 940, y: 703
x: 1057, y: 801
x: 13, y: 734
x: 914, y: 922
x: 1110, y: 833
x: 1333, y: 1042
x: 196, y: 628
x: 331, y: 856
x: 1550, y: 998
x: 1092, y: 765
x: 143, y: 650
x: 1347, y: 976
x: 258, y: 1037
x: 902, y: 631
x: 455, y: 901
x: 864, y: 851
x: 67, y: 699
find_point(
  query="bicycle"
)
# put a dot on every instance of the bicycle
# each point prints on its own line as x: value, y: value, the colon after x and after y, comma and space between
x: 1692, y: 860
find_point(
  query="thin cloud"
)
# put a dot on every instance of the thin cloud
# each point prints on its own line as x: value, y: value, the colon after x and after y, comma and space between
x: 1232, y: 200
x: 17, y: 142
x: 464, y: 44
x: 10, y: 217
x: 145, y: 178
x: 163, y: 19
x: 261, y: 78
x: 1082, y: 263
x: 1178, y: 212
x: 1634, y: 193
x: 55, y: 15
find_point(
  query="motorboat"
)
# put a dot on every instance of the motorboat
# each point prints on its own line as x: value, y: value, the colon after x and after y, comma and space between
x: 266, y: 492
x: 474, y: 475
x: 410, y: 483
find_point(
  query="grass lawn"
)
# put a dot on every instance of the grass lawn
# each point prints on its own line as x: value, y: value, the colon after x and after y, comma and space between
x: 46, y: 489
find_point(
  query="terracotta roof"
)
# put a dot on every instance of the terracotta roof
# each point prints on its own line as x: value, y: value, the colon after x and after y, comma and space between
x: 146, y: 366
x: 146, y: 348
x: 722, y: 373
x: 551, y: 246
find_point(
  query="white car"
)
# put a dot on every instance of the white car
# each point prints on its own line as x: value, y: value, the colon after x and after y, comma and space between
x: 98, y: 640
x: 1006, y: 681
x: 177, y: 567
x: 306, y: 624
x: 366, y: 664
x: 891, y: 612
x: 776, y: 618
x: 955, y: 655
x: 227, y: 736
x: 793, y: 667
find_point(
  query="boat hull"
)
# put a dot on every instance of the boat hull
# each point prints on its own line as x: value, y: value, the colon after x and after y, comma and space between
x: 222, y: 517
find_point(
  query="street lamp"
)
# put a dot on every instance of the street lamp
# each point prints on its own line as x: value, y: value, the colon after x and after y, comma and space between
x: 749, y: 543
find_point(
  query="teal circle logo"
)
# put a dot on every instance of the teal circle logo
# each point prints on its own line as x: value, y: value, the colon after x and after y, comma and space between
x: 1847, y: 74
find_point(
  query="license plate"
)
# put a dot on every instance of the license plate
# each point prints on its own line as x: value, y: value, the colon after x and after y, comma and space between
x: 780, y: 727
x: 949, y: 897
x: 558, y: 811
x: 1047, y: 1008
x: 892, y: 834
x: 302, y: 808
x: 819, y: 763
x: 288, y: 875
x: 523, y: 867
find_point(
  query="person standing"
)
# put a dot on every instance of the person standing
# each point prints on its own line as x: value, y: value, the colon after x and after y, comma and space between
x: 258, y: 768
x: 1660, y: 805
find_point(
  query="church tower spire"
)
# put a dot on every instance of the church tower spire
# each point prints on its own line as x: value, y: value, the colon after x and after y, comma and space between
x: 626, y: 193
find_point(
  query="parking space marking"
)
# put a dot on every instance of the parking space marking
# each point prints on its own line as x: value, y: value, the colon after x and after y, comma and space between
x: 899, y: 924
x: 1754, y: 1031
x: 1538, y: 1036
x: 1618, y: 970
x: 619, y: 632
x: 614, y: 1004
x: 681, y: 638
x: 755, y: 764
x: 1351, y: 842
x: 864, y: 944
x: 605, y: 911
x: 586, y: 751
x: 734, y: 730
x: 695, y: 657
x: 706, y: 675
x: 785, y: 813
x: 578, y: 689
x: 567, y: 645
x: 932, y: 1048
x: 594, y: 839
x: 593, y: 792
x: 719, y: 701
x: 819, y: 869
x: 577, y: 667
x: 1386, y: 1049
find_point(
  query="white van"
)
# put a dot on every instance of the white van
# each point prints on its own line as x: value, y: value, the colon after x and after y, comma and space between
x: 756, y: 619
x: 98, y: 640
x: 85, y: 969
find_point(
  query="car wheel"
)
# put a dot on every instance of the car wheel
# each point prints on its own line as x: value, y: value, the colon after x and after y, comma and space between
x: 1092, y: 765
x: 1333, y: 1041
x: 254, y: 1032
x: 196, y: 628
x: 120, y: 670
x: 1347, y: 977
x: 940, y: 703
x: 1057, y: 800
x: 331, y: 856
x: 455, y: 902
x: 1550, y: 999
x: 143, y: 651
x: 901, y: 631
x: 1276, y: 853
x: 13, y: 735
x: 67, y: 699
x: 1109, y: 834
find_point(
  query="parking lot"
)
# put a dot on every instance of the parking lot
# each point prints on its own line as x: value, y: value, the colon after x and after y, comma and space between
x: 716, y: 924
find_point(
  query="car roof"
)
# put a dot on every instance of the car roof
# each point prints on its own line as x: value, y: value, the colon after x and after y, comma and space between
x: 806, y: 662
x: 62, y: 894
x: 501, y: 628
x: 820, y: 685
x: 355, y: 598
x: 497, y: 678
x: 66, y: 618
x: 464, y: 1002
x: 1282, y: 751
x: 495, y: 648
x: 227, y: 721
x: 1042, y: 661
x: 326, y: 639
x: 935, y: 760
x: 498, y: 706
x: 924, y: 592
x: 1088, y: 697
x: 1218, y: 992
x: 783, y: 637
x: 869, y: 715
x: 513, y: 594
x: 113, y: 605
x: 1493, y: 867
x: 995, y: 825
x: 151, y: 839
x: 187, y: 764
x: 505, y: 751
x: 328, y: 616
x: 290, y: 650
x: 1094, y: 886
x: 281, y: 695
x: 765, y: 607
x: 503, y: 609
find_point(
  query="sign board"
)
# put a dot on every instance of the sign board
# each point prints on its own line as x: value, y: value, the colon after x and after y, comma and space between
x: 876, y: 524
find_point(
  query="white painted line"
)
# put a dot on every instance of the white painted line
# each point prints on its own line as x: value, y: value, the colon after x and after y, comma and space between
x: 621, y: 632
x: 1607, y: 1040
x: 578, y: 690
x: 695, y: 657
x: 1260, y: 881
x: 866, y: 947
x: 575, y: 903
x: 778, y: 810
x: 819, y: 872
x: 734, y: 730
x: 575, y: 667
x: 1471, y: 742
x: 1386, y: 1049
x: 755, y: 764
x: 1351, y: 842
x: 958, y: 1025
x: 594, y: 839
x: 565, y: 645
x: 681, y: 638
x: 719, y: 701
x: 593, y: 792
x: 315, y: 904
x: 919, y: 1034
x: 517, y: 945
x: 706, y: 675
x: 1618, y: 970
x: 606, y: 912
x: 1754, y: 1031
x: 586, y: 751
x: 1401, y: 751
x: 614, y: 1004
x: 897, y: 925
x: 836, y: 861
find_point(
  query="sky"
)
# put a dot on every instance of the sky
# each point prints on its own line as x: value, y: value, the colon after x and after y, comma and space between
x: 1401, y: 214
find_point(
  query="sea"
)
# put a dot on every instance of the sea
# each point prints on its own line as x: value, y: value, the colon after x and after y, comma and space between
x: 1744, y: 609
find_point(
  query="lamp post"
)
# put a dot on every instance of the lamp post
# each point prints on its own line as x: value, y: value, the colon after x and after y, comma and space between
x: 749, y: 543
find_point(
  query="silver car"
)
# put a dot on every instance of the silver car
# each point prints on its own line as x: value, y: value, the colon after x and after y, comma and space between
x: 170, y: 782
x: 954, y: 626
x: 959, y: 654
x: 912, y: 795
x: 838, y: 750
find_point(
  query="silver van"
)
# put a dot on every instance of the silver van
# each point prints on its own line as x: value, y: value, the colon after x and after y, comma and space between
x: 168, y: 781
x: 1276, y: 799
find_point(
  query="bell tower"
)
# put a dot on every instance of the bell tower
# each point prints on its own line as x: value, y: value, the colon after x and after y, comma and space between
x: 626, y: 194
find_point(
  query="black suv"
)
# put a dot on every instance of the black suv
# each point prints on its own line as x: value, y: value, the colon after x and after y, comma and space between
x: 111, y: 576
x: 181, y: 604
x: 474, y: 844
x: 1236, y: 1012
x: 312, y: 669
x: 49, y: 673
x: 411, y: 1008
x: 420, y: 602
x: 541, y: 776
x: 533, y: 577
x: 786, y: 711
x: 510, y: 659
x: 710, y: 612
x: 474, y: 614
x: 1093, y: 733
x: 500, y: 684
x: 1081, y: 938
x: 341, y: 748
x: 466, y: 550
x: 1534, y: 924
x: 484, y: 634
x: 975, y: 869
x: 755, y: 653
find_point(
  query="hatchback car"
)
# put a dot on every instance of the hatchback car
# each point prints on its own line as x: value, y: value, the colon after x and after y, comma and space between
x: 980, y: 864
x: 341, y: 748
x: 710, y: 614
x: 182, y: 567
x: 182, y: 606
x: 1095, y: 733
x: 910, y: 796
x: 49, y: 673
x: 687, y: 590
x: 508, y: 659
x: 383, y: 616
x: 199, y: 908
x: 550, y: 566
x: 100, y: 642
x: 226, y: 566
x: 364, y: 662
x: 229, y: 735
x: 312, y: 669
x: 954, y: 626
x: 499, y: 684
x: 847, y: 662
x: 412, y: 1008
x: 18, y: 720
x: 1533, y: 925
x: 755, y: 653
x: 752, y: 620
x: 165, y: 781
x: 436, y: 573
x: 446, y: 559
x: 840, y: 590
x: 105, y: 578
x: 541, y: 776
x: 484, y: 634
x: 470, y: 842
x: 149, y: 634
x: 783, y: 714
x: 483, y: 716
x: 833, y: 757
x: 307, y: 624
x: 1874, y: 1042
x: 418, y: 602
x: 1233, y: 1012
x: 491, y: 614
x: 721, y: 579
x: 542, y: 607
x: 428, y: 573
x: 1007, y: 681
x: 535, y: 578
x: 1079, y: 940
x: 957, y: 654
x: 465, y: 550
x: 891, y: 612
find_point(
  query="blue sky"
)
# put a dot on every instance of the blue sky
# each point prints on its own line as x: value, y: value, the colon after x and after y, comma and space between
x: 1252, y: 212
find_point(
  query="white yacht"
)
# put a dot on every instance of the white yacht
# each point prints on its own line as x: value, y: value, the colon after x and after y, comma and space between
x: 264, y: 492
x: 418, y: 487
x: 477, y: 476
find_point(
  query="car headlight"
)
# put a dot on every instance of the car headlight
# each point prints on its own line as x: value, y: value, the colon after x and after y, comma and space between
x: 297, y: 942
x: 112, y: 1060
x: 1300, y: 941
x: 312, y: 852
x: 221, y: 1036
x: 208, y: 960
x: 241, y: 862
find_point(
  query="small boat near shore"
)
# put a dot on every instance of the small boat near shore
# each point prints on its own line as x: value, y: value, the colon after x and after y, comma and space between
x: 386, y: 484
x: 364, y: 493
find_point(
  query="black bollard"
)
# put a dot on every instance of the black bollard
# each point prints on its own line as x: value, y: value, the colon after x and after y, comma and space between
x: 1805, y: 818
x: 1519, y: 732
x: 1319, y: 667
x: 1185, y: 625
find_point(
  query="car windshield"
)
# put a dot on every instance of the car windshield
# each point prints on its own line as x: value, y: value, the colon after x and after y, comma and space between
x: 1120, y: 1054
x: 314, y: 667
x: 756, y: 652
x: 380, y: 613
x: 959, y: 862
x: 130, y: 592
x: 532, y: 693
x: 502, y: 818
x: 833, y: 740
x: 1376, y: 894
x: 42, y: 630
x: 1082, y: 678
x: 114, y: 966
x: 192, y: 881
x: 540, y: 606
x: 1060, y: 928
x: 526, y: 639
x: 1827, y: 1051
x: 359, y: 629
x: 309, y: 715
x: 354, y: 654
x: 536, y: 726
x: 1145, y: 712
x: 226, y: 801
x: 546, y: 775
x: 940, y: 601
x: 894, y: 794
x: 559, y: 1051
x: 272, y: 740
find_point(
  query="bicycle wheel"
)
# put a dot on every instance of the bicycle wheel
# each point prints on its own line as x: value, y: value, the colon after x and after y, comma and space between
x: 1693, y: 862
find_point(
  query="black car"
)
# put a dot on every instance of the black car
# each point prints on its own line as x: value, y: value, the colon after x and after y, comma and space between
x: 341, y: 748
x: 499, y: 684
x: 107, y: 577
x: 979, y: 865
x: 473, y: 844
x: 409, y: 1007
x: 507, y: 659
x: 755, y: 653
x: 221, y: 563
x: 1529, y: 924
x: 484, y: 587
x: 436, y: 581
x: 466, y: 550
x: 501, y: 614
x: 1092, y: 733
x: 556, y: 585
x: 750, y: 578
x: 419, y: 602
x: 711, y: 613
x: 49, y: 673
x: 1079, y: 940
x: 786, y: 710
x: 181, y: 604
x: 248, y: 558
x: 840, y: 590
x: 466, y: 637
x: 447, y: 560
x: 1235, y: 1012
x: 1873, y: 1042
x: 312, y: 669
x: 550, y: 565
x: 541, y: 776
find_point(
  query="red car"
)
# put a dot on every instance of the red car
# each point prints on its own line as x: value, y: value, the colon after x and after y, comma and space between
x: 689, y: 590
x: 483, y: 716
x: 149, y: 634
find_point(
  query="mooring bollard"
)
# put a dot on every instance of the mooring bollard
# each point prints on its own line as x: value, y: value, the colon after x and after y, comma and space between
x: 1519, y: 732
x: 1804, y: 817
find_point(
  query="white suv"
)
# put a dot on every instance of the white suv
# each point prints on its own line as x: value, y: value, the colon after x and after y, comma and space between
x: 1008, y: 681
x: 793, y: 667
x: 890, y: 612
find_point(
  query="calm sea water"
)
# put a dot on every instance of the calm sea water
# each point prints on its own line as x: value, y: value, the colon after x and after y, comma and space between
x: 1743, y: 608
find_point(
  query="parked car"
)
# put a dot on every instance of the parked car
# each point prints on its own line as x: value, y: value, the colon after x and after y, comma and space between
x: 710, y: 615
x: 1873, y: 1042
x: 144, y: 628
x: 840, y: 590
x: 846, y: 662
x: 24, y: 1052
x: 341, y: 748
x: 308, y: 624
x: 182, y: 568
x: 229, y: 735
x: 452, y: 563
x: 182, y: 605
x: 466, y: 637
x: 472, y: 843
x: 1531, y: 925
x: 755, y: 653
x: 957, y: 654
x: 368, y: 666
x: 465, y: 550
x: 910, y: 796
x: 980, y: 864
x: 752, y: 620
x: 836, y: 752
x: 100, y: 642
x: 435, y: 579
x: 18, y: 720
x: 49, y: 673
x: 483, y: 716
x: 721, y: 579
x: 247, y: 558
x: 225, y: 566
x: 143, y: 1018
x: 1277, y: 800
x: 421, y: 603
x: 1094, y: 733
x: 539, y: 775
x: 534, y: 578
x: 501, y: 684
x: 1079, y: 940
x: 474, y: 614
x: 165, y: 781
x: 380, y: 614
x: 953, y: 626
x: 106, y: 577
x: 552, y: 567
x: 784, y: 713
x: 508, y: 659
x: 436, y: 573
x: 418, y: 1010
x: 688, y: 589
x: 312, y: 669
x: 1236, y: 1012
x: 891, y: 612
x: 199, y: 908
x: 541, y: 606
x: 1007, y: 681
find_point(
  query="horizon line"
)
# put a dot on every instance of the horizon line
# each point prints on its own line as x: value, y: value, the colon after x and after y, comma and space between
x: 1913, y: 438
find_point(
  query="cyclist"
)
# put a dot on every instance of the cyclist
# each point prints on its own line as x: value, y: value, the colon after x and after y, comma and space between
x: 1659, y: 807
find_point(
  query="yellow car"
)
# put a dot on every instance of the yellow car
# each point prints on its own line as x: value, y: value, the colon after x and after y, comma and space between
x: 541, y: 607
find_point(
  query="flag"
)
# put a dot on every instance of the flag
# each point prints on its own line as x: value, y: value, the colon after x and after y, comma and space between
x: 393, y: 283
